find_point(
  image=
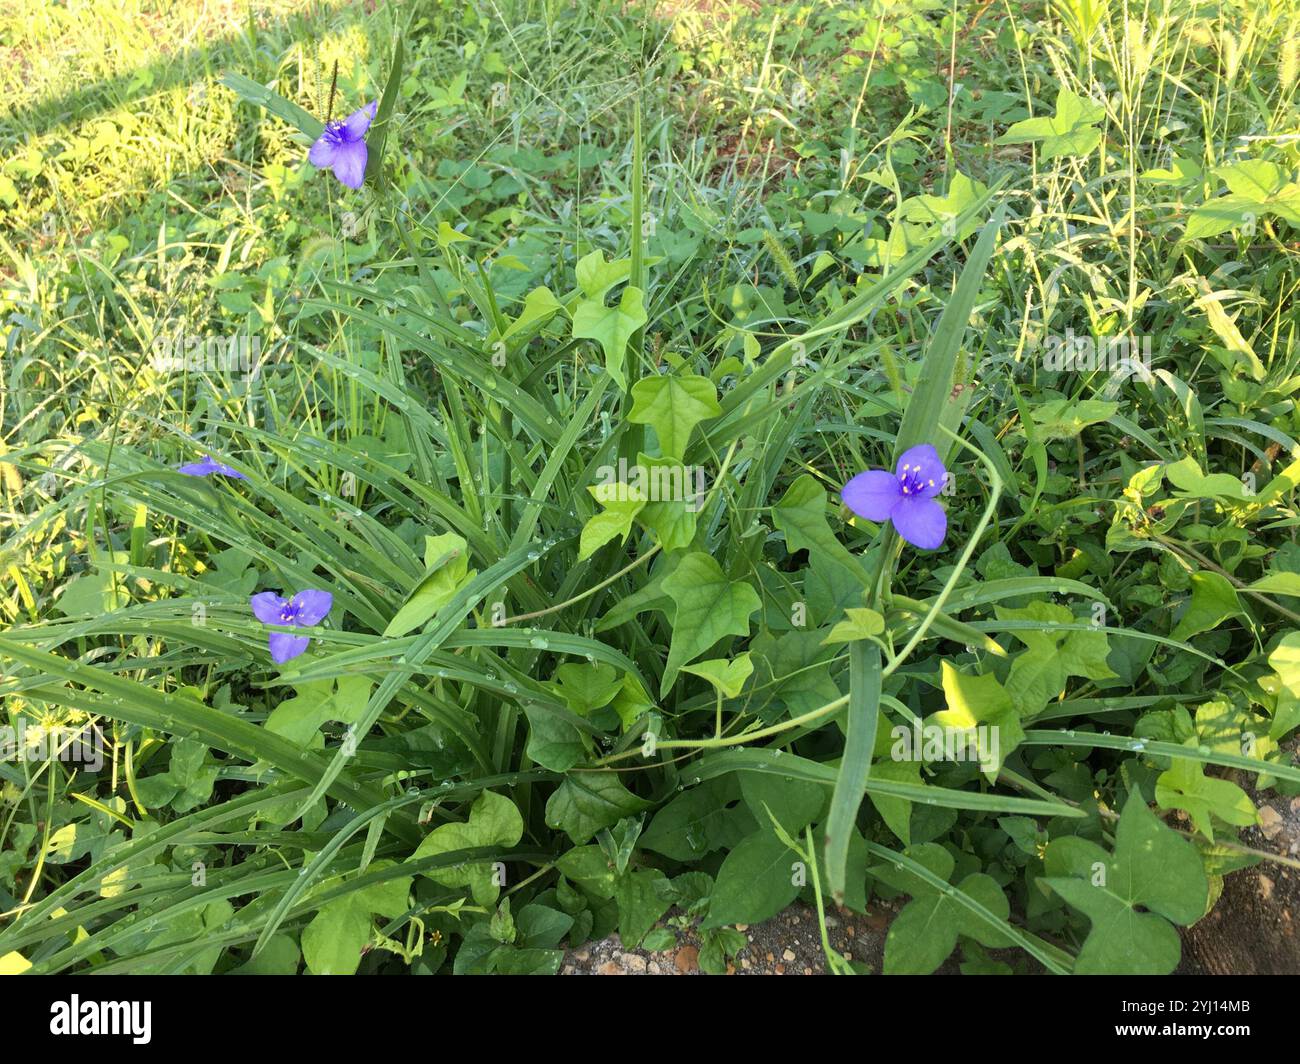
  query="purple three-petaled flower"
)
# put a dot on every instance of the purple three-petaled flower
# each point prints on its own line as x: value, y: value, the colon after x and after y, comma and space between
x: 302, y: 611
x: 210, y: 465
x: 905, y: 497
x: 342, y: 147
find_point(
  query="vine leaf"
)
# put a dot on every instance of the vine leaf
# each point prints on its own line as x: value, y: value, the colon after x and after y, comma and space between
x: 493, y: 821
x: 611, y: 327
x: 709, y: 607
x: 672, y: 405
x: 1071, y: 131
x: 1184, y: 785
x: 1151, y: 867
x: 924, y: 934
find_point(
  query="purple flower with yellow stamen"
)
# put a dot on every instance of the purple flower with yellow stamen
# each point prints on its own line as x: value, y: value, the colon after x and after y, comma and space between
x: 341, y: 147
x: 305, y: 609
x: 905, y: 497
x: 209, y: 466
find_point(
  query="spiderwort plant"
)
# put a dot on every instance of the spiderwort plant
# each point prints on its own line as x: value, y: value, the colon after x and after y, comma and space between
x: 342, y: 147
x: 305, y: 609
x: 905, y: 497
x: 209, y: 466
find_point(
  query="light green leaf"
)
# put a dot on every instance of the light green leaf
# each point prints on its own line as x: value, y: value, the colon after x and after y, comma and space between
x: 674, y: 499
x: 446, y: 571
x: 861, y: 623
x: 1213, y: 601
x: 1184, y: 785
x: 611, y: 327
x: 709, y: 607
x: 1071, y: 131
x: 673, y: 404
x: 621, y: 504
x: 976, y: 702
x: 596, y: 276
x: 1062, y: 419
x: 727, y: 675
x: 493, y: 821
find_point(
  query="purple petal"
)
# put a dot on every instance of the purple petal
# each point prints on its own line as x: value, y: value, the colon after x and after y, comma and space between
x: 921, y: 522
x: 872, y: 494
x: 285, y: 645
x: 350, y: 163
x: 200, y: 469
x: 267, y: 606
x: 324, y: 152
x: 356, y: 124
x: 312, y: 606
x: 224, y: 470
x: 921, y: 464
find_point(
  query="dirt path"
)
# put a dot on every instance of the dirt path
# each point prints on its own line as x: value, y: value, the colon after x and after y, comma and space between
x: 1253, y: 928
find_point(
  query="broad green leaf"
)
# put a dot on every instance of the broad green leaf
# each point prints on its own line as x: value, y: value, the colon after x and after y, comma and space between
x: 709, y: 607
x: 643, y: 896
x: 299, y: 718
x: 727, y: 675
x: 673, y: 404
x: 1152, y: 868
x: 925, y: 933
x: 1221, y: 214
x: 801, y: 515
x: 493, y: 821
x: 621, y: 505
x: 794, y: 803
x: 1039, y: 673
x: 699, y: 821
x: 1213, y: 601
x: 587, y: 687
x: 446, y: 571
x: 1186, y: 476
x: 1184, y: 785
x: 1071, y: 131
x: 554, y: 742
x: 332, y: 942
x: 588, y: 801
x: 1254, y: 179
x: 612, y: 328
x: 758, y: 878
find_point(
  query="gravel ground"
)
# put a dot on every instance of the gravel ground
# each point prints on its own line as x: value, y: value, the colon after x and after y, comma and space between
x: 788, y: 944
